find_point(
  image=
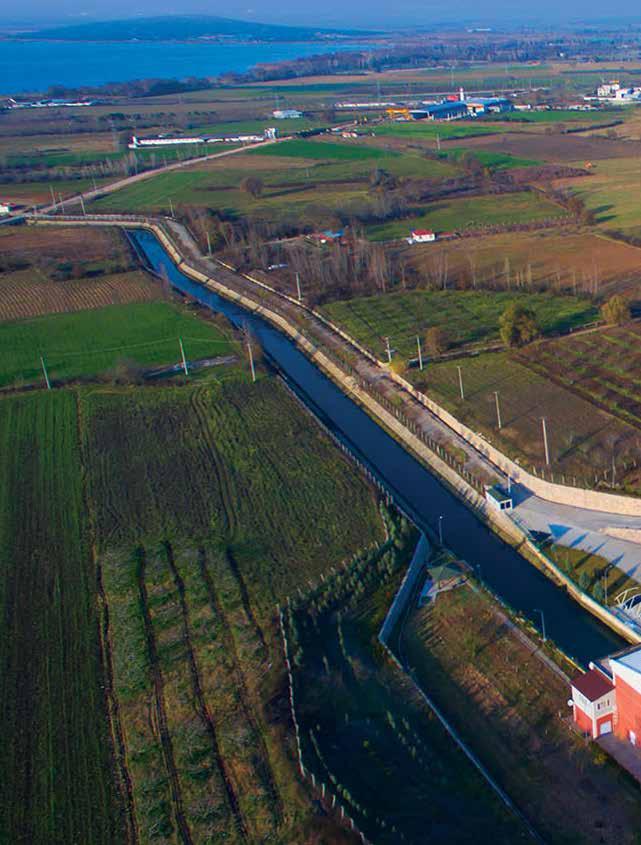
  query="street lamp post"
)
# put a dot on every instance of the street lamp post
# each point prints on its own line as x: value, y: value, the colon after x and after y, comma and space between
x: 536, y: 610
x: 440, y: 530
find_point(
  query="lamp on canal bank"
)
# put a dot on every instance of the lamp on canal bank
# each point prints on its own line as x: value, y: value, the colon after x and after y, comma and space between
x: 440, y: 530
x: 536, y: 610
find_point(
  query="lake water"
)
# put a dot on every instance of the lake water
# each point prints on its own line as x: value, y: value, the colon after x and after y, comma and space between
x: 30, y: 66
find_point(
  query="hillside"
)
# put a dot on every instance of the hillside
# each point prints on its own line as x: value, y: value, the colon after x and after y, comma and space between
x: 183, y: 28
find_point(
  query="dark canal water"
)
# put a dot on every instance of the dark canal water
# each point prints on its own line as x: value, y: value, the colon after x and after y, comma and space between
x: 419, y: 492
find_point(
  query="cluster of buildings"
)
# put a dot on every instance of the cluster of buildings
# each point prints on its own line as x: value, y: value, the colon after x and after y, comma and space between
x: 452, y: 108
x: 136, y: 143
x: 615, y: 93
x: 607, y: 699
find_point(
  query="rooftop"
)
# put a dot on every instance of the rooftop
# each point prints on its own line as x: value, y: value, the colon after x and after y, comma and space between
x: 593, y: 685
x: 629, y: 658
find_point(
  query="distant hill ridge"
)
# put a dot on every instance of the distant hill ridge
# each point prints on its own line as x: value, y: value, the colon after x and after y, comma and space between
x: 184, y: 27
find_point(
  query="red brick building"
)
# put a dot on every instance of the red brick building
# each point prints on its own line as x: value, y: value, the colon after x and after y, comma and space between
x: 607, y: 699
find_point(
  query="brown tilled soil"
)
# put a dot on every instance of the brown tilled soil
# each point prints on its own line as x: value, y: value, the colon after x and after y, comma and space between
x: 60, y: 243
x: 28, y: 293
x: 553, y: 147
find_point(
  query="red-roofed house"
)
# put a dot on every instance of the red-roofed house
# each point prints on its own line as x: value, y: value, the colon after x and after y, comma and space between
x: 593, y: 703
x: 421, y: 236
x: 607, y: 699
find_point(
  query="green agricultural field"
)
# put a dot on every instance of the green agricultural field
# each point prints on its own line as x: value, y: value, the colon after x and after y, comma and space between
x: 490, y: 159
x: 563, y: 116
x: 330, y: 150
x: 235, y: 500
x: 468, y: 317
x: 612, y: 192
x: 470, y: 213
x: 289, y: 183
x: 432, y: 129
x: 55, y: 756
x: 89, y: 343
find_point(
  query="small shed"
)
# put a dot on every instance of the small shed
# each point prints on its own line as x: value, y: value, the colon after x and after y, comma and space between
x: 498, y: 498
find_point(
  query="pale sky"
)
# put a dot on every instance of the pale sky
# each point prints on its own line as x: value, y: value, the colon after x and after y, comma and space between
x: 356, y: 13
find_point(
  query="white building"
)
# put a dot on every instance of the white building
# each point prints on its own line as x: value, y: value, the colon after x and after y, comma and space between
x: 162, y: 141
x: 5, y: 208
x: 421, y: 236
x: 287, y: 114
x: 614, y: 92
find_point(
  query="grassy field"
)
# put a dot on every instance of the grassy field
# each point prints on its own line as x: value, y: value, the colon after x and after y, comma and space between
x: 468, y: 317
x: 312, y: 150
x: 55, y: 755
x: 420, y: 129
x: 88, y: 343
x: 494, y: 160
x: 563, y: 116
x: 470, y: 213
x: 511, y: 709
x: 611, y: 191
x: 364, y: 731
x: 291, y: 182
x: 199, y: 535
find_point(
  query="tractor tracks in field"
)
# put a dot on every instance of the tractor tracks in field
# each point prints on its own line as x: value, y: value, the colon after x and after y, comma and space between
x: 263, y: 765
x: 159, y: 700
x: 199, y: 697
x: 225, y: 485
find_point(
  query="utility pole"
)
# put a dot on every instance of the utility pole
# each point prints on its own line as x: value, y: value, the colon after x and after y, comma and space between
x: 545, y: 441
x: 44, y: 370
x: 460, y: 383
x: 388, y: 350
x: 440, y: 530
x: 182, y: 355
x: 420, y: 353
x: 82, y: 203
x: 251, y: 356
x: 438, y: 142
x: 498, y: 409
x: 300, y: 293
x: 536, y: 610
x: 171, y: 207
x: 208, y: 244
x: 53, y: 198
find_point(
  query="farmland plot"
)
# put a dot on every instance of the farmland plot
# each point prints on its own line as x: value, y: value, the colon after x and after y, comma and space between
x: 468, y: 317
x: 234, y: 501
x: 88, y: 343
x: 55, y: 754
x: 26, y: 294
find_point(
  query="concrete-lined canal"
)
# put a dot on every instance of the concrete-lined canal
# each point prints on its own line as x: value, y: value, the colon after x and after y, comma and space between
x: 419, y: 492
